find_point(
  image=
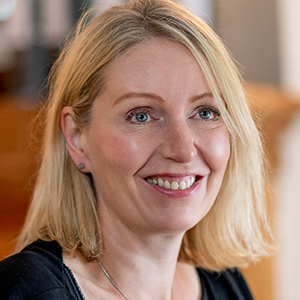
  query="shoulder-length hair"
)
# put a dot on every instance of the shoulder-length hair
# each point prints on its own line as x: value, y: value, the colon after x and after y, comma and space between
x: 64, y: 207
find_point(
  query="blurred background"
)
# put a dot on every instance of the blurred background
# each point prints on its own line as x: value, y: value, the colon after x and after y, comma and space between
x: 264, y: 38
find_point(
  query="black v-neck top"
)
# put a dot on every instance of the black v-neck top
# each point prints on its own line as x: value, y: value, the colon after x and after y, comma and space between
x: 38, y: 273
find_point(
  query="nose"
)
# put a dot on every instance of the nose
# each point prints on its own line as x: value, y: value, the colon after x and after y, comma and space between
x: 178, y: 143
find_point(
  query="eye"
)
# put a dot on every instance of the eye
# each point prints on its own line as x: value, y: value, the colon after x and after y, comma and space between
x: 207, y: 113
x: 139, y: 115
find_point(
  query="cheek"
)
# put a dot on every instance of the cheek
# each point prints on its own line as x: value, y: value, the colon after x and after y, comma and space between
x: 217, y: 151
x: 123, y: 152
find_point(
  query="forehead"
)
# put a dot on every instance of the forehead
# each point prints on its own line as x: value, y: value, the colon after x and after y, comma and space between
x: 151, y: 50
x: 153, y: 64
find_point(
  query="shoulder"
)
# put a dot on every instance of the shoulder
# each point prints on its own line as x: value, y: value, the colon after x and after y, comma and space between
x: 34, y: 273
x: 228, y: 284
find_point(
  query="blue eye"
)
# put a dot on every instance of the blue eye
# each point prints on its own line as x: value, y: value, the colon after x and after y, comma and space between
x: 141, y: 117
x: 205, y: 114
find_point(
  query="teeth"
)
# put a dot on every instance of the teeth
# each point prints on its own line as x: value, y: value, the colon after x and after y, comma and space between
x: 160, y: 182
x: 188, y: 184
x: 167, y: 184
x: 174, y: 185
x: 182, y: 185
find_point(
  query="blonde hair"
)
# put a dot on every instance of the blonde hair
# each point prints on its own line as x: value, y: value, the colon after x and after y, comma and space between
x: 64, y: 207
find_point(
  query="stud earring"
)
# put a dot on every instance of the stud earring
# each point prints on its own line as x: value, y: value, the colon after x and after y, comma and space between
x: 81, y: 166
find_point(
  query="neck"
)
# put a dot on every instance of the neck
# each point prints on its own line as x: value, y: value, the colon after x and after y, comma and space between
x: 142, y: 266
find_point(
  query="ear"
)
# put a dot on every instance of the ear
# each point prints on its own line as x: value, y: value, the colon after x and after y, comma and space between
x: 74, y: 139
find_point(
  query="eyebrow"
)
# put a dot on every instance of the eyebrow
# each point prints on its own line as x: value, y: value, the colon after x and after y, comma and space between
x: 139, y: 95
x: 158, y: 98
x: 201, y: 96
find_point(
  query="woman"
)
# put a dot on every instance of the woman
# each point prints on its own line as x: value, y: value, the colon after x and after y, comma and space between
x: 151, y: 176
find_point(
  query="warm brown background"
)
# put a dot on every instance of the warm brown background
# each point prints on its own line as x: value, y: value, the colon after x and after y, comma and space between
x: 18, y: 164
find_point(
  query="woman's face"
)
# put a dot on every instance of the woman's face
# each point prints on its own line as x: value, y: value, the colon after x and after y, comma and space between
x: 157, y: 146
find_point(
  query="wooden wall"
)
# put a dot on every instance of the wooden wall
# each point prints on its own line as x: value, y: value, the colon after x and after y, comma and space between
x: 17, y: 166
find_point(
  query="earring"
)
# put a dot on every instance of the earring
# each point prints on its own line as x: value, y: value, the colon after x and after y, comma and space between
x: 81, y: 166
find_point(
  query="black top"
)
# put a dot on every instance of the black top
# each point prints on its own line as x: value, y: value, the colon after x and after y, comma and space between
x: 38, y: 273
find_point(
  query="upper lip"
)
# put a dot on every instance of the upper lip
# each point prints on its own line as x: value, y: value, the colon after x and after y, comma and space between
x: 181, y: 176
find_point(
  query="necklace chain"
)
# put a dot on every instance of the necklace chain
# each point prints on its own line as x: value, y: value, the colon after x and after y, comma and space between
x: 110, y: 279
x: 113, y: 282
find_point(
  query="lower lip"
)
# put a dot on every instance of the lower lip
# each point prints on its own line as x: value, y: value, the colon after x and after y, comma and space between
x: 177, y: 193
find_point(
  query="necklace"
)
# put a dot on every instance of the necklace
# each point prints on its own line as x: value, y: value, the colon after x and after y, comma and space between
x: 110, y: 279
x: 113, y: 283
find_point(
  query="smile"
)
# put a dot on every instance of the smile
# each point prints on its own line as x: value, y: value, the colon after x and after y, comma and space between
x: 173, y: 185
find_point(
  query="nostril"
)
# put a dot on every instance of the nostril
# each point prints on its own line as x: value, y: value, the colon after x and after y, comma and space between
x: 180, y: 150
x: 179, y: 142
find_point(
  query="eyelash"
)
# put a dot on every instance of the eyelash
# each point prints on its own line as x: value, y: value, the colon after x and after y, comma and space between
x: 150, y: 112
x: 137, y: 110
x: 214, y: 110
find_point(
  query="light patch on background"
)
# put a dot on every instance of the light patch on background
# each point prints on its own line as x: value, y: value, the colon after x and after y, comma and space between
x: 7, y: 8
x: 288, y: 211
x: 289, y: 43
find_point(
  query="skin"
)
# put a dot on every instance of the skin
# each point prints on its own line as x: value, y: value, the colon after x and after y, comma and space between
x: 142, y: 224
